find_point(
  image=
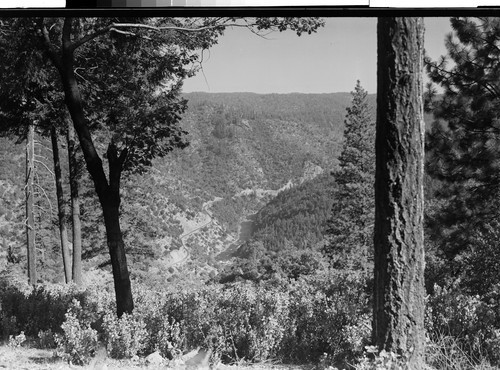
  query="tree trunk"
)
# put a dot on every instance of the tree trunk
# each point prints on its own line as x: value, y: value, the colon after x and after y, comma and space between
x: 30, y: 219
x: 110, y: 205
x: 75, y: 205
x: 108, y: 193
x: 63, y: 231
x: 398, y: 304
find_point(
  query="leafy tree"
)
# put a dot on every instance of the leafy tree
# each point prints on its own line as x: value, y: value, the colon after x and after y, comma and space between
x: 123, y: 77
x: 350, y: 226
x: 398, y: 300
x: 463, y: 150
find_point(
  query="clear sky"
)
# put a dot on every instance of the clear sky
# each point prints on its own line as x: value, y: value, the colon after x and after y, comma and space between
x: 331, y: 60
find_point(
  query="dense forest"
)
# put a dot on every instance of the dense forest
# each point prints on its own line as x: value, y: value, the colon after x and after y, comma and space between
x: 247, y: 220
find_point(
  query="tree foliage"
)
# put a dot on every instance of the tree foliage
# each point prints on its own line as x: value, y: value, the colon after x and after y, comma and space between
x: 463, y: 147
x: 350, y: 226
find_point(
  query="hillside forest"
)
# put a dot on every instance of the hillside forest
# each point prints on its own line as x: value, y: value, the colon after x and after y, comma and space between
x: 246, y: 220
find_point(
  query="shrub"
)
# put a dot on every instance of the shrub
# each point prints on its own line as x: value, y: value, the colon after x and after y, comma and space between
x: 46, y: 339
x: 125, y: 336
x: 78, y: 342
x: 17, y: 341
x: 34, y: 309
x: 248, y: 322
x: 329, y: 314
x: 472, y: 323
x: 164, y: 332
x: 447, y: 353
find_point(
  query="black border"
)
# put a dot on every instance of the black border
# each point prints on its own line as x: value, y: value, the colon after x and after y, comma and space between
x: 309, y: 11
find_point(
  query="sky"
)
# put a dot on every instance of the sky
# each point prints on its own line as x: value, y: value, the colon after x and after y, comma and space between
x: 331, y: 60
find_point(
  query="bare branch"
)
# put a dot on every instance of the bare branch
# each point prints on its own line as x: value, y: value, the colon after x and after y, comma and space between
x: 118, y: 27
x: 79, y: 75
x: 46, y: 197
x: 44, y: 165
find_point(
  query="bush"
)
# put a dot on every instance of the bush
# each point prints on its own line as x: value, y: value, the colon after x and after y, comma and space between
x: 330, y: 314
x: 246, y: 322
x: 447, y: 353
x: 46, y: 339
x: 125, y: 336
x: 164, y: 333
x: 79, y: 341
x: 34, y: 309
x: 278, y: 319
x: 471, y: 323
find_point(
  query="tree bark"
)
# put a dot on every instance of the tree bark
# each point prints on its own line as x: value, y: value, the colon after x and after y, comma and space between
x: 75, y: 205
x: 63, y: 231
x: 398, y: 304
x: 30, y: 219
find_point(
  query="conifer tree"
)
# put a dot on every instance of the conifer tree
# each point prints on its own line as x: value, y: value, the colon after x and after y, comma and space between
x: 463, y: 146
x: 350, y: 227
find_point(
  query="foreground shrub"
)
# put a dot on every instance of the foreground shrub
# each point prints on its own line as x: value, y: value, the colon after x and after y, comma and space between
x: 246, y: 322
x: 78, y: 342
x: 447, y: 353
x: 330, y: 314
x: 279, y: 319
x: 164, y: 333
x: 125, y: 336
x: 467, y: 324
x: 36, y: 309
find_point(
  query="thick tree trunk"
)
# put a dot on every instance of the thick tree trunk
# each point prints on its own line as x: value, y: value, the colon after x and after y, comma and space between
x: 398, y: 322
x: 30, y: 219
x: 110, y: 205
x: 63, y: 231
x: 75, y: 205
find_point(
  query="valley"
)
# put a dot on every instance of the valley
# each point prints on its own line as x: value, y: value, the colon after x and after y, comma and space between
x: 197, y: 206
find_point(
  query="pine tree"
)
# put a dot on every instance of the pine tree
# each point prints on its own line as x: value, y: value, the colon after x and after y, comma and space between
x: 350, y: 227
x: 463, y: 147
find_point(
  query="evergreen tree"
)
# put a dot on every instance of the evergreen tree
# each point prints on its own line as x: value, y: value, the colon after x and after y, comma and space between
x: 463, y: 149
x: 350, y: 227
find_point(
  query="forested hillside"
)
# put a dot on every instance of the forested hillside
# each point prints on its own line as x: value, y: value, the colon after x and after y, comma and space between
x: 243, y: 149
x: 296, y: 218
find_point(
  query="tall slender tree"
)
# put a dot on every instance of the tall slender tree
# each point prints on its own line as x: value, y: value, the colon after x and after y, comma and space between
x: 75, y: 204
x: 350, y: 226
x: 30, y: 217
x: 398, y: 301
x: 61, y: 206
